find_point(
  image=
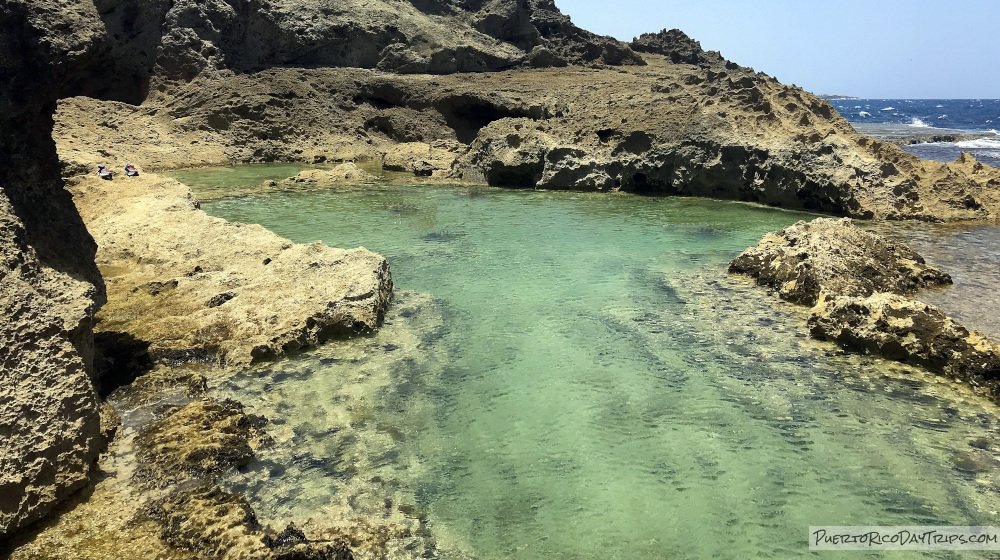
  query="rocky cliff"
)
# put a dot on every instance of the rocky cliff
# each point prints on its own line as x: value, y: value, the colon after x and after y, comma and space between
x: 177, y: 40
x: 709, y: 129
x: 50, y: 287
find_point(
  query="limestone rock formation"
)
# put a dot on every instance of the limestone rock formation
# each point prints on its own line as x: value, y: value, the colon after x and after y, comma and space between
x: 678, y: 47
x: 216, y: 524
x: 660, y: 129
x: 49, y: 285
x: 829, y: 256
x: 343, y: 172
x: 902, y: 329
x: 181, y: 39
x: 419, y: 158
x: 197, y: 287
x: 858, y: 283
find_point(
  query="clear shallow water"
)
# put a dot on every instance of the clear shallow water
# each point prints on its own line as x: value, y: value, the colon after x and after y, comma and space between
x: 582, y: 380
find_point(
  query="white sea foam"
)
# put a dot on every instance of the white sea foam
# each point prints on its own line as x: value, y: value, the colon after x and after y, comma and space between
x: 980, y: 144
x: 919, y: 123
x: 889, y: 109
x: 943, y: 117
x: 864, y: 114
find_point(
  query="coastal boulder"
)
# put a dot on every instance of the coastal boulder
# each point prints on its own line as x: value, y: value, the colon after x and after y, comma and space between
x: 417, y: 157
x: 836, y: 258
x: 903, y: 329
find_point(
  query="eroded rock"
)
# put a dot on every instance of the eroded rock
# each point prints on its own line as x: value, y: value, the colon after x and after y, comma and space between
x: 419, y: 158
x: 903, y: 329
x: 193, y: 287
x: 834, y: 257
x: 50, y: 289
x: 677, y: 46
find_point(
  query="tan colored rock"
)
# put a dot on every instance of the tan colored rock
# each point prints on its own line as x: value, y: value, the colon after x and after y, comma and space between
x: 715, y: 130
x: 345, y: 172
x: 903, y: 329
x: 49, y: 421
x: 197, y: 287
x: 418, y: 158
x: 49, y: 286
x: 834, y: 257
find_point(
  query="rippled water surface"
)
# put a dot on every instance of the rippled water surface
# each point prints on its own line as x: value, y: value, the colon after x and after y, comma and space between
x: 570, y: 375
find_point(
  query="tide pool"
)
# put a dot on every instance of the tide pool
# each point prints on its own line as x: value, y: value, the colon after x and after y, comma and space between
x: 574, y: 375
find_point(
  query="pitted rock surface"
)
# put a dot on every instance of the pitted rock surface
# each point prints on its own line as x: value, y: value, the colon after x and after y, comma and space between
x: 808, y: 260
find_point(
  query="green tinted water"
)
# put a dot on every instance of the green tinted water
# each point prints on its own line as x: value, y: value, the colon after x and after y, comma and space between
x: 584, y: 381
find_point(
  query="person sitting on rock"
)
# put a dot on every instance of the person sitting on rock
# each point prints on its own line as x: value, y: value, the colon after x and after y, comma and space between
x: 103, y: 172
x: 131, y: 171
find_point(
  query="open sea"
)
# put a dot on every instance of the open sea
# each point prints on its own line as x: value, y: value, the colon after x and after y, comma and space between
x: 892, y: 119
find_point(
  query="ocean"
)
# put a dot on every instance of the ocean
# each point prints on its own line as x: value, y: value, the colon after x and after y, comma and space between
x: 892, y: 119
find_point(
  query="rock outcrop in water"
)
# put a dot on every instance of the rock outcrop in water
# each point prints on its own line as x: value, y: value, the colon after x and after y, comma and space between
x: 808, y: 260
x: 857, y: 283
x: 195, y: 287
x: 903, y: 329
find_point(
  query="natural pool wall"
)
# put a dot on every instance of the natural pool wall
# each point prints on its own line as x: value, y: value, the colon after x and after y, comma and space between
x: 582, y: 380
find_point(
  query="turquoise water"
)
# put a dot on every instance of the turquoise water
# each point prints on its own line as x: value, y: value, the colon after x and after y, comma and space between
x: 573, y: 375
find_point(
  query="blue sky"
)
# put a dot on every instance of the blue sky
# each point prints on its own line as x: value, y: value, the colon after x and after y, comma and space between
x: 872, y: 49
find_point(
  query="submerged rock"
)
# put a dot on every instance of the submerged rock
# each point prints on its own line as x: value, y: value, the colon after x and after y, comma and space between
x: 902, y: 329
x: 216, y: 524
x: 198, y: 440
x: 834, y: 257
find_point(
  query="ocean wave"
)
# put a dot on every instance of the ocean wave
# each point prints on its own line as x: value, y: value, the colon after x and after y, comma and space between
x: 943, y: 117
x: 919, y: 123
x: 864, y: 114
x: 980, y: 144
x: 889, y: 109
